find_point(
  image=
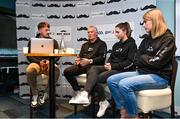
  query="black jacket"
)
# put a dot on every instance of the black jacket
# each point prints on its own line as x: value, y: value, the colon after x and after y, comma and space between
x: 38, y: 59
x: 95, y: 51
x: 155, y: 55
x: 122, y: 55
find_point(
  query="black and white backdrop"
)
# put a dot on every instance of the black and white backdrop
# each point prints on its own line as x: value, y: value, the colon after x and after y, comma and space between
x: 69, y: 21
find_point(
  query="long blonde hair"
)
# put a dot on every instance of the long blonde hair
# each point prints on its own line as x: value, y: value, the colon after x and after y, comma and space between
x: 159, y: 26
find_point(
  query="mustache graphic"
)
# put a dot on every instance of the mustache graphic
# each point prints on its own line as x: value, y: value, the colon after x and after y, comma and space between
x: 82, y: 28
x: 53, y: 5
x: 111, y: 1
x: 67, y: 96
x: 148, y: 7
x: 58, y: 84
x: 83, y: 16
x: 67, y: 63
x: 143, y: 36
x: 69, y: 5
x: 23, y: 28
x: 24, y: 84
x: 38, y: 5
x: 23, y: 62
x: 130, y: 10
x: 113, y: 13
x: 22, y: 16
x: 141, y: 23
x: 53, y: 17
x: 22, y: 73
x: 68, y: 16
x: 82, y: 39
x: 25, y: 95
x: 98, y: 3
x: 63, y: 31
x: 58, y: 95
x: 22, y: 39
x: 109, y: 51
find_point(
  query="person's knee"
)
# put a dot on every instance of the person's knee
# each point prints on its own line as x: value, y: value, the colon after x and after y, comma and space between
x: 109, y: 81
x: 31, y: 71
x: 66, y: 71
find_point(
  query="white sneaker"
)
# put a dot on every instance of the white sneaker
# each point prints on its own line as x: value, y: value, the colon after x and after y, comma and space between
x: 43, y: 98
x: 86, y: 105
x: 76, y: 95
x: 81, y: 99
x: 34, y: 101
x: 103, y: 105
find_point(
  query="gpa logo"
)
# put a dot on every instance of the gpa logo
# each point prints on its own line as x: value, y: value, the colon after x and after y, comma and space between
x: 105, y: 32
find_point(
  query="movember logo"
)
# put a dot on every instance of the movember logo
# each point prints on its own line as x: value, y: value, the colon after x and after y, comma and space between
x: 130, y: 10
x: 23, y: 39
x: 53, y: 17
x: 22, y: 28
x: 67, y: 63
x: 69, y: 5
x: 68, y: 17
x: 22, y: 73
x: 141, y: 23
x: 98, y: 3
x: 111, y: 1
x: 113, y: 13
x: 82, y: 28
x: 22, y: 16
x: 82, y: 39
x: 24, y: 84
x: 82, y: 16
x: 23, y: 63
x: 148, y: 7
x: 38, y: 5
x: 53, y: 5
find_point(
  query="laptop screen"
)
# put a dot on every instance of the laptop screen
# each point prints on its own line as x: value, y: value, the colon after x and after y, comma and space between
x: 42, y: 45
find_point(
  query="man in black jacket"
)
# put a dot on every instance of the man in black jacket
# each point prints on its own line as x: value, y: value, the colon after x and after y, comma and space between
x: 40, y: 65
x: 93, y: 52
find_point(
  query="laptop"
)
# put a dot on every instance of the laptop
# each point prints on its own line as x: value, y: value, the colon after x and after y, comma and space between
x: 42, y: 45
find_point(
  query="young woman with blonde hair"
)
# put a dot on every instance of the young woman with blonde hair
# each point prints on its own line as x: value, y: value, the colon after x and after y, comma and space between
x: 153, y: 64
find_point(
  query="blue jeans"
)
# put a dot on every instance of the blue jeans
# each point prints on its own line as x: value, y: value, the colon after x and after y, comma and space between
x: 123, y: 87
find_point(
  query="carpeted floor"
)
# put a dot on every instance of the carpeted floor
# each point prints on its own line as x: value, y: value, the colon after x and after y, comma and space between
x: 11, y: 106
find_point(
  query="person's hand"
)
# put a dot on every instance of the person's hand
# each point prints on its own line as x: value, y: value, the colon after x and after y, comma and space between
x: 78, y: 60
x: 44, y: 65
x: 84, y: 62
x: 107, y: 66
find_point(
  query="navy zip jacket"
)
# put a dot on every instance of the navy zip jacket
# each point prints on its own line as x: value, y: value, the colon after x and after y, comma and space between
x: 95, y: 51
x: 122, y: 55
x: 155, y: 55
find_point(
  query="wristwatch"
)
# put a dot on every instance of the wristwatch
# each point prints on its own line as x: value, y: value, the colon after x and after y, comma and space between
x: 90, y: 61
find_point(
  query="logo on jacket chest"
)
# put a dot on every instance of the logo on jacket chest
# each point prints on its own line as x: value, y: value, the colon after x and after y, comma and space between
x: 150, y: 49
x: 90, y: 49
x: 119, y: 50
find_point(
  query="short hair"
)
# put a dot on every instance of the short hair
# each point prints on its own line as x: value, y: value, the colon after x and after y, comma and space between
x: 159, y: 26
x: 42, y: 25
x: 91, y: 26
x: 124, y: 26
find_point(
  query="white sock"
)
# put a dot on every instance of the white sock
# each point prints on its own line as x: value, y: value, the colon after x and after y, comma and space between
x: 35, y: 97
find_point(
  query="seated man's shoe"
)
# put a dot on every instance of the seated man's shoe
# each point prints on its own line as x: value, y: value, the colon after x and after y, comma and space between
x: 34, y: 102
x: 103, y: 105
x: 42, y: 99
x: 76, y: 95
x: 86, y: 105
x: 82, y: 98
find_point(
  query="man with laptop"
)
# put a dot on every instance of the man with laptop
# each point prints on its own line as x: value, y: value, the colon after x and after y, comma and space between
x: 40, y: 65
